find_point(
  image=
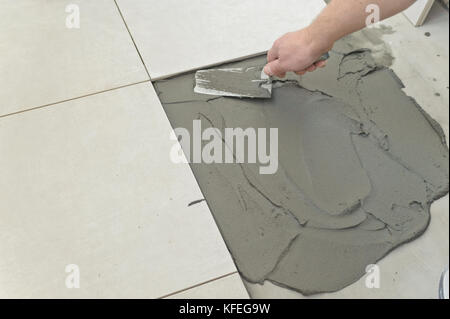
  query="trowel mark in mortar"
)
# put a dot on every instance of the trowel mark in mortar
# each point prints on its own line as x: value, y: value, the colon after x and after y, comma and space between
x: 270, y: 244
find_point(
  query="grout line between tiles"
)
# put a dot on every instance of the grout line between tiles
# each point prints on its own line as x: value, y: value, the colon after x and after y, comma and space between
x: 72, y: 99
x: 132, y: 39
x: 198, y: 285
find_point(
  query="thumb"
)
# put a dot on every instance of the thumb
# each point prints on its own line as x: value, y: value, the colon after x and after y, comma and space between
x: 274, y: 68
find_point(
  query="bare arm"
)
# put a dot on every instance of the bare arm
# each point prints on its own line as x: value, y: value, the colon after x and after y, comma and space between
x: 297, y: 51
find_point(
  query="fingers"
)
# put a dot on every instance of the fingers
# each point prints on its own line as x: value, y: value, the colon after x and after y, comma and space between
x: 274, y: 69
x: 273, y: 52
x: 321, y: 64
x: 315, y: 66
x: 309, y: 69
x: 312, y: 68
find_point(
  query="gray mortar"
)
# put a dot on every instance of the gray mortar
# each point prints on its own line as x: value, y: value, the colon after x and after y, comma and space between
x: 359, y: 165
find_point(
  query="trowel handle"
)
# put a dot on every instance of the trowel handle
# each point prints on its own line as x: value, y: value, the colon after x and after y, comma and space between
x: 324, y: 57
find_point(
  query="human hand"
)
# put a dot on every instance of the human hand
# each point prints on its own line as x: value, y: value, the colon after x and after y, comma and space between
x: 296, y: 52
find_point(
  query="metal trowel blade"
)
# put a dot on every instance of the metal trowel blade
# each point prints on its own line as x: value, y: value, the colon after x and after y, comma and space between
x: 249, y: 82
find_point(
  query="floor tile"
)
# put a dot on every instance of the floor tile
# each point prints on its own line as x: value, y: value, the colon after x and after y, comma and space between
x: 229, y: 287
x: 43, y: 61
x: 174, y: 36
x: 90, y: 182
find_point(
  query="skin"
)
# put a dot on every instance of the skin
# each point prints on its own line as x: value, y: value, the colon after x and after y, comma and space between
x: 297, y: 51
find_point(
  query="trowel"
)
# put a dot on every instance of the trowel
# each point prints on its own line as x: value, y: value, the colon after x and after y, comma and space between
x: 251, y: 82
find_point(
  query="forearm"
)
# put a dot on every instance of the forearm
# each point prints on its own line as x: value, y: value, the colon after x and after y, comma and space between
x: 342, y: 17
x: 299, y: 51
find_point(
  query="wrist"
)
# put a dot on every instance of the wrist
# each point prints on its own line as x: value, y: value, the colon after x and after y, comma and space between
x: 321, y: 42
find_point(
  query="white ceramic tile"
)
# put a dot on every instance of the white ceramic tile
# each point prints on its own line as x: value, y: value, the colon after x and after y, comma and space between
x: 413, y: 270
x: 43, y: 62
x: 229, y: 287
x: 174, y: 36
x: 89, y: 182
